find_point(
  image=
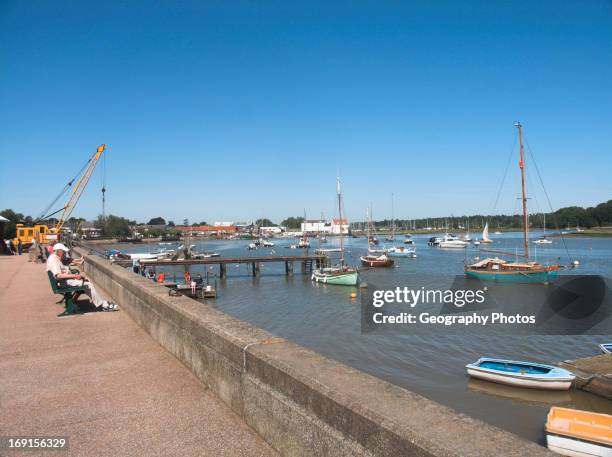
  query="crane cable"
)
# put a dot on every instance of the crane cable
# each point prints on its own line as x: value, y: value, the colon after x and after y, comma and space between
x: 43, y: 215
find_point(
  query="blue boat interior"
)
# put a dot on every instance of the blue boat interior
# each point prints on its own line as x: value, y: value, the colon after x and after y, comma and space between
x: 514, y: 367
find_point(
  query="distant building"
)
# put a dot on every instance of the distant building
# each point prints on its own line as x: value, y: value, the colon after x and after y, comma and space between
x: 224, y: 224
x: 320, y: 226
x: 243, y: 226
x: 314, y: 226
x: 201, y: 230
x: 339, y: 226
x: 89, y: 230
x: 269, y: 231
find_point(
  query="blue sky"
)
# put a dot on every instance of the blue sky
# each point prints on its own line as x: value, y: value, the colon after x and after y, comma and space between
x: 238, y: 110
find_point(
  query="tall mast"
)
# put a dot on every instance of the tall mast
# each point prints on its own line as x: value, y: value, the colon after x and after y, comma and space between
x: 340, y: 214
x: 392, y: 219
x: 519, y: 126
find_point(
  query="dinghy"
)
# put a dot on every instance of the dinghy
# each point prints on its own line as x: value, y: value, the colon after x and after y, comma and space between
x: 606, y: 348
x: 579, y: 433
x: 521, y: 374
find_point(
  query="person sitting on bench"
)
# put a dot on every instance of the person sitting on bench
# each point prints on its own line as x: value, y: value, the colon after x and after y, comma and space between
x: 62, y: 273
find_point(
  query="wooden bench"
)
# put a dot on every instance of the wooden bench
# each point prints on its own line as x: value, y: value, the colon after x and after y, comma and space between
x: 69, y: 294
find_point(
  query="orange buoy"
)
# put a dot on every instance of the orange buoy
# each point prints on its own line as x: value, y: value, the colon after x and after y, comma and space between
x: 353, y: 295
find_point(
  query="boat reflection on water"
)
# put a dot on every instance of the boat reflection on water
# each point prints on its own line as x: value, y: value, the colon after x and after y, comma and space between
x: 527, y: 396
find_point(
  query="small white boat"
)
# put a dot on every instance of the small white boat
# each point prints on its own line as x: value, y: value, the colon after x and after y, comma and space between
x: 521, y: 374
x: 204, y: 255
x: 498, y: 233
x: 402, y: 251
x: 146, y: 256
x: 606, y: 348
x: 578, y: 433
x: 267, y: 243
x: 542, y: 241
x: 476, y: 243
x: 326, y: 251
x: 452, y: 241
x: 252, y: 247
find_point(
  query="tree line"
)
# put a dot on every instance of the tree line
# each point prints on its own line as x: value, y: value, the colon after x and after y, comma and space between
x: 571, y: 216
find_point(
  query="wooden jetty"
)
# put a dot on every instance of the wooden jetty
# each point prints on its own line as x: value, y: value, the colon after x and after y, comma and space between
x: 308, y: 262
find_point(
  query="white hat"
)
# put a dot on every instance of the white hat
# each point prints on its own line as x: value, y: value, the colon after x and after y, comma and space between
x: 57, y: 246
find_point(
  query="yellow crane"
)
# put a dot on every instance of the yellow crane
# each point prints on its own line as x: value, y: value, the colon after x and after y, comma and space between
x: 44, y: 234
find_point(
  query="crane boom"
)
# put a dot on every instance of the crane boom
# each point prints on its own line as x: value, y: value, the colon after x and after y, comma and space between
x: 79, y: 188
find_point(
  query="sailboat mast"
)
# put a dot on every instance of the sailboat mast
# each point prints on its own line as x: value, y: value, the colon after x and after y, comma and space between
x: 519, y: 126
x: 392, y: 219
x: 340, y: 214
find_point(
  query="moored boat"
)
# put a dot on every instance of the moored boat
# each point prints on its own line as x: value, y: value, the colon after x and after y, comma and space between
x: 485, y: 234
x: 495, y: 269
x: 341, y: 275
x: 521, y: 374
x: 543, y: 239
x: 574, y: 432
x: 376, y: 261
x: 452, y: 241
x: 401, y: 251
x: 505, y: 271
x: 606, y: 348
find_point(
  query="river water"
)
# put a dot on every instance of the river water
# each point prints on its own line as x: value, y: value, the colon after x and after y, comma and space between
x: 327, y: 320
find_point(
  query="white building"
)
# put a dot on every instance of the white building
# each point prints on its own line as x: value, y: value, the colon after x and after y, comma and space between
x: 223, y: 224
x: 270, y: 231
x: 338, y: 227
x: 315, y: 226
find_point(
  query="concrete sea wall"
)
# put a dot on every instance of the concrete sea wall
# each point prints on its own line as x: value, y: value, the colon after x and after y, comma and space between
x: 300, y: 402
x: 593, y: 374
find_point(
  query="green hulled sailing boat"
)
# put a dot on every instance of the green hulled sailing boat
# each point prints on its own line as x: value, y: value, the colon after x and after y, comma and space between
x: 341, y: 274
x: 496, y: 269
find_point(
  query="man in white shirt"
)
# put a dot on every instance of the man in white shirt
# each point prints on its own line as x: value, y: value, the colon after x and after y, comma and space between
x: 62, y: 273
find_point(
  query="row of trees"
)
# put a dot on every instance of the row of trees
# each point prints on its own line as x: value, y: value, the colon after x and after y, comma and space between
x: 571, y: 216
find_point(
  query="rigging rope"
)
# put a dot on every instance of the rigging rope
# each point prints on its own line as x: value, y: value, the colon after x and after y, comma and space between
x: 547, y: 198
x: 499, y: 191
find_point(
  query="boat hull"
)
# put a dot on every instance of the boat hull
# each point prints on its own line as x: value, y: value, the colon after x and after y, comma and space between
x: 401, y: 252
x: 376, y: 262
x: 513, y: 276
x: 521, y: 374
x: 576, y: 448
x: 520, y: 382
x: 340, y: 279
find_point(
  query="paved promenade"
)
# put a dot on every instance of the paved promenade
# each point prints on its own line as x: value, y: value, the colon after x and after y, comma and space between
x: 101, y: 380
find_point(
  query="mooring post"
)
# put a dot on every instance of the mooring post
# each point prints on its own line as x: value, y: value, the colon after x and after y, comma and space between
x: 289, y: 267
x: 255, y: 266
x: 222, y: 270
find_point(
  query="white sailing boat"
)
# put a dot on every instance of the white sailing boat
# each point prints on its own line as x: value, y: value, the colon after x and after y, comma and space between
x: 543, y: 239
x: 401, y: 251
x: 485, y: 234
